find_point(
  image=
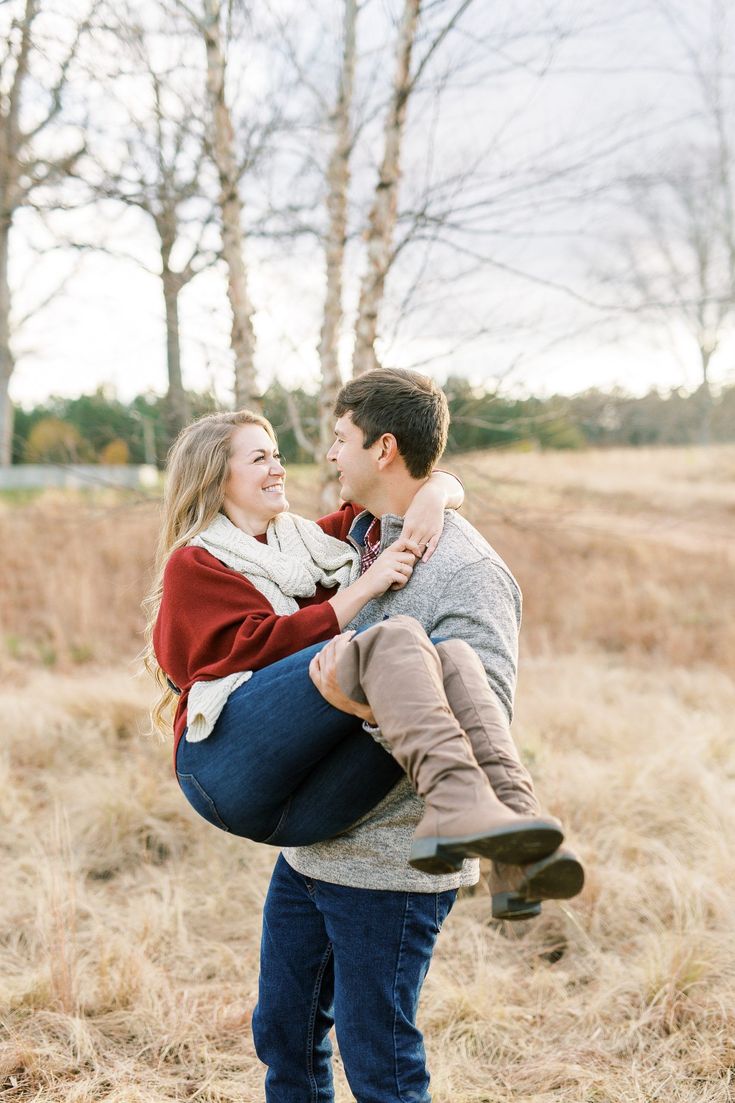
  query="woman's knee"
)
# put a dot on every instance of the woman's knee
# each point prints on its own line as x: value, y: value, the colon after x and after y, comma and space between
x: 402, y: 628
x: 457, y: 652
x: 454, y: 647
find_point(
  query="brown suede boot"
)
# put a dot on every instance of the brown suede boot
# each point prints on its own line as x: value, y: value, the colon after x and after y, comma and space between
x: 516, y: 891
x: 395, y: 668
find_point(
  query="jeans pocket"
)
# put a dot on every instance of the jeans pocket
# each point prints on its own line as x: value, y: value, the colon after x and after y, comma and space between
x: 200, y: 801
x: 443, y: 902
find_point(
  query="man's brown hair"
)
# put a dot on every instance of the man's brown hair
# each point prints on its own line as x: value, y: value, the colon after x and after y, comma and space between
x: 405, y: 403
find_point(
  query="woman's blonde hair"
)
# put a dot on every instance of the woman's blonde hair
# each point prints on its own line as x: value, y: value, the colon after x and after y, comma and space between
x: 197, y: 470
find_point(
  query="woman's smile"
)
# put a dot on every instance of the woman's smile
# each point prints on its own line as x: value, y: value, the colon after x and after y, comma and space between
x: 255, y: 469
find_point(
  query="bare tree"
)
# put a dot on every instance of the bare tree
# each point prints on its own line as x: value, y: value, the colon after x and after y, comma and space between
x: 675, y: 266
x: 24, y: 169
x: 383, y: 216
x: 211, y: 22
x: 161, y: 171
x: 382, y: 219
x: 679, y: 263
x: 337, y: 180
x: 454, y: 204
x: 229, y: 171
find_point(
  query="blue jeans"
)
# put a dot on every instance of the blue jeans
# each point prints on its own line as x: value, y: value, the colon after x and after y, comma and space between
x: 283, y: 766
x: 355, y: 958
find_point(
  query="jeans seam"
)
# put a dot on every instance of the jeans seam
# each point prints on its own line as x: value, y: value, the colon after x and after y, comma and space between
x: 312, y: 1020
x: 280, y: 823
x: 205, y: 795
x: 407, y: 903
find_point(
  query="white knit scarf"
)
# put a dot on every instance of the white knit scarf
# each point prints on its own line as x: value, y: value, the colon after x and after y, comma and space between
x: 297, y: 557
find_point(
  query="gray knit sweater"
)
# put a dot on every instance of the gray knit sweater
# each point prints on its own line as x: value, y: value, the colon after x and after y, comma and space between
x: 465, y: 592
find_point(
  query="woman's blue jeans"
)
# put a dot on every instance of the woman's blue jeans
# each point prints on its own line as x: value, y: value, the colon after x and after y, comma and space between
x: 283, y: 766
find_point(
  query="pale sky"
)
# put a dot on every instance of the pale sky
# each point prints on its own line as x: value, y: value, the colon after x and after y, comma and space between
x: 622, y: 78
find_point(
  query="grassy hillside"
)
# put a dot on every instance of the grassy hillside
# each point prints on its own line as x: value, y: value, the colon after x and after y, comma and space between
x: 129, y: 929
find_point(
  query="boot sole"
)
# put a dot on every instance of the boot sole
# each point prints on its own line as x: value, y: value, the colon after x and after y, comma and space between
x: 558, y: 877
x: 512, y: 845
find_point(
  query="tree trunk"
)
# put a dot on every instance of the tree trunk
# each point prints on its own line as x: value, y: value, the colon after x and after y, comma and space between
x: 178, y: 411
x: 382, y: 220
x: 338, y: 177
x: 149, y: 441
x: 705, y: 399
x: 11, y: 143
x: 223, y: 141
x: 6, y: 356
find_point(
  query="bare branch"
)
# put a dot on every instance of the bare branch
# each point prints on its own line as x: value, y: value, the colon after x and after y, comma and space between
x: 438, y: 40
x: 57, y: 91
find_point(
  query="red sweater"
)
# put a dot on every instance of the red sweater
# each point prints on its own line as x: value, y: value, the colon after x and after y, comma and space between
x: 213, y: 621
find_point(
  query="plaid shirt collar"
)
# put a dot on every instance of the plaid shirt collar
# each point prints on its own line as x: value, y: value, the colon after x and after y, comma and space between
x: 372, y: 545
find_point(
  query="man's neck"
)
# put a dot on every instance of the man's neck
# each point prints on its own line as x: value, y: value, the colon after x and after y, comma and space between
x: 394, y: 497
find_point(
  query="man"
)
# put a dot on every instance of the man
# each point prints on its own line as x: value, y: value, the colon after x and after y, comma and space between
x: 349, y: 927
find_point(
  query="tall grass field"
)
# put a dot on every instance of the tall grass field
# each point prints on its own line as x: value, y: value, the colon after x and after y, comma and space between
x: 129, y: 929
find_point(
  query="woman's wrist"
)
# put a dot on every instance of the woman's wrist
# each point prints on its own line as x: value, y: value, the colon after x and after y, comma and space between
x: 361, y: 588
x: 348, y: 602
x: 451, y: 487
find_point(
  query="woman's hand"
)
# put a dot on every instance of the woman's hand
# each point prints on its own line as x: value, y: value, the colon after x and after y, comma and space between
x: 323, y: 673
x: 393, y: 567
x: 390, y: 571
x: 424, y: 520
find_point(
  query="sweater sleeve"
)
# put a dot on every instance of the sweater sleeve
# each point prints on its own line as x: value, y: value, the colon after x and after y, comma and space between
x: 213, y: 622
x: 481, y: 604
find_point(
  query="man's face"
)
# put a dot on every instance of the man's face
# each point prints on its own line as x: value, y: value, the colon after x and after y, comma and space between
x: 357, y: 465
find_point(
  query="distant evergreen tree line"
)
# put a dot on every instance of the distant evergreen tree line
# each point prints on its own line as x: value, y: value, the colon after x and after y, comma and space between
x: 98, y: 428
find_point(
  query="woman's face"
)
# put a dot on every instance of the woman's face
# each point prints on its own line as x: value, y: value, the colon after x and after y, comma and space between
x: 254, y: 491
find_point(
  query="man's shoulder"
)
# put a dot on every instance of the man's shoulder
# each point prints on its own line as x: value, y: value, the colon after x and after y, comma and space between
x: 459, y: 529
x: 462, y: 543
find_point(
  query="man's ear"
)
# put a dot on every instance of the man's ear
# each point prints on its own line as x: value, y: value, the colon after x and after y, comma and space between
x: 388, y: 450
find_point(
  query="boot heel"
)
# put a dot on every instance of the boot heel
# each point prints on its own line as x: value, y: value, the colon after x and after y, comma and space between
x: 512, y: 906
x: 427, y: 857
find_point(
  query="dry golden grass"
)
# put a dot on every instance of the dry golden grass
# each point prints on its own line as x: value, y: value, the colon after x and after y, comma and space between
x: 129, y: 929
x: 633, y: 572
x: 74, y: 571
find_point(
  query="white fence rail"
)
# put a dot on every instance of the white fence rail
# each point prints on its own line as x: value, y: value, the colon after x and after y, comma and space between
x: 76, y: 476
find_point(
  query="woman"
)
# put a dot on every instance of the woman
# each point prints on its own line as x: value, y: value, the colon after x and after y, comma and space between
x: 245, y: 598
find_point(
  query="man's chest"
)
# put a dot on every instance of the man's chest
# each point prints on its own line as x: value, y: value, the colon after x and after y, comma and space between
x: 414, y: 600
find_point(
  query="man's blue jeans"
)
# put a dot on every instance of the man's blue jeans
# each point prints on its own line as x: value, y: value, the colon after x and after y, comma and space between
x: 353, y: 957
x: 283, y: 766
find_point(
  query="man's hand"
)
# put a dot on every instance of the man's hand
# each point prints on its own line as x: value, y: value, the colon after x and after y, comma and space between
x: 323, y: 673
